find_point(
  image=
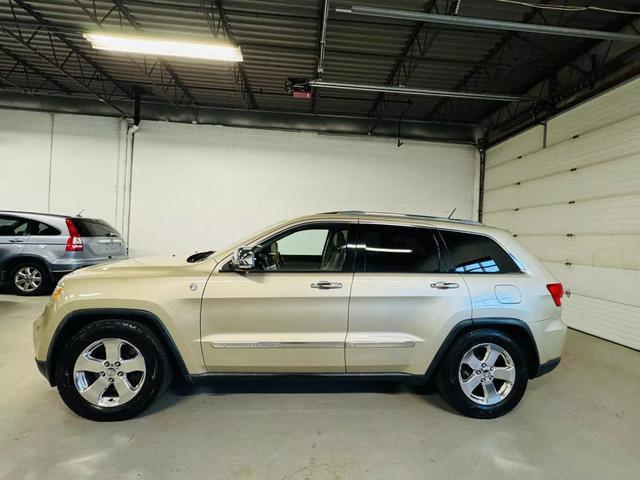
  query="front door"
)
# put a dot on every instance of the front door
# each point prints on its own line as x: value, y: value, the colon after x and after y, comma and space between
x: 288, y: 314
x: 403, y: 301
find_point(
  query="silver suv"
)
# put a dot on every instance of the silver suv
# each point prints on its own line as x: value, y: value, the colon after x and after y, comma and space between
x: 36, y: 249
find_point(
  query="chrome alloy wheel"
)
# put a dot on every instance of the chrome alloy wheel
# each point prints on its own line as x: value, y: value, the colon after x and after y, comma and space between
x: 487, y: 374
x: 109, y: 372
x: 27, y: 279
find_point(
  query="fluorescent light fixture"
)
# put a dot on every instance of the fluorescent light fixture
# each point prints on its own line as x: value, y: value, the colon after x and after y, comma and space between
x: 161, y: 47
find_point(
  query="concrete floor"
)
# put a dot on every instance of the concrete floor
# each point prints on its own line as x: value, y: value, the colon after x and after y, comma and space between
x: 581, y: 421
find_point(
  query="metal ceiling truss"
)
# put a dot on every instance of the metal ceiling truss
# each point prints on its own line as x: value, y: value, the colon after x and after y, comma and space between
x: 27, y: 69
x: 219, y: 26
x: 62, y: 55
x: 593, y: 71
x: 415, y: 49
x: 170, y: 87
x: 483, y: 69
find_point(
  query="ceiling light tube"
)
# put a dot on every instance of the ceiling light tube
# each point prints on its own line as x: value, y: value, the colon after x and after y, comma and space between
x: 162, y: 47
x: 421, y: 92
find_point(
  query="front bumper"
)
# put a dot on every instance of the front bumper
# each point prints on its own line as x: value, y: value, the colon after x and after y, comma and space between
x: 42, y: 368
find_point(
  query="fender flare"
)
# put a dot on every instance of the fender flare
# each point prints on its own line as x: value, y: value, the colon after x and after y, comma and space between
x: 474, y: 323
x: 93, y: 314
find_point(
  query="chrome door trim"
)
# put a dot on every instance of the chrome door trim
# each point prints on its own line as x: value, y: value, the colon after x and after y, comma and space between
x: 277, y: 344
x: 381, y: 344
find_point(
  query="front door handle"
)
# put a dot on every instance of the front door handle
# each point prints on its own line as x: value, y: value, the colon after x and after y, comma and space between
x: 16, y: 241
x: 444, y: 285
x: 324, y: 285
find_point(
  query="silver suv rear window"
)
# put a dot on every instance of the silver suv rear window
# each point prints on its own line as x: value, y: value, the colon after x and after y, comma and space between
x: 90, y: 227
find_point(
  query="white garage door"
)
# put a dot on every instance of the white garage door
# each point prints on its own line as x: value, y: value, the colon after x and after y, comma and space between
x: 576, y: 205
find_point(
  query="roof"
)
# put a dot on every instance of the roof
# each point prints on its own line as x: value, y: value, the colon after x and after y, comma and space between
x: 281, y: 39
x: 409, y: 217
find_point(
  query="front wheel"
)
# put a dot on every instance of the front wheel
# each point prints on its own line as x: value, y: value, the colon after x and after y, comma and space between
x: 484, y: 374
x: 112, y: 370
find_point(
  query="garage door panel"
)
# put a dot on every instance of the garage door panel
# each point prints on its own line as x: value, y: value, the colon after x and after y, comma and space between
x: 607, y: 109
x: 613, y: 251
x: 614, y: 178
x: 613, y: 321
x: 615, y: 285
x: 525, y: 143
x: 613, y: 142
x: 603, y: 216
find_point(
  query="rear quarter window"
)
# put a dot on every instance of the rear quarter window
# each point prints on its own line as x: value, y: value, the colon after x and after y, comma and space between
x: 40, y: 229
x: 471, y: 253
x: 89, y: 227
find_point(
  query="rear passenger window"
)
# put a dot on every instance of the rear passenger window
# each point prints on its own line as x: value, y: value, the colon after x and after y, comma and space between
x: 40, y: 228
x: 469, y: 253
x: 13, y: 227
x: 400, y: 249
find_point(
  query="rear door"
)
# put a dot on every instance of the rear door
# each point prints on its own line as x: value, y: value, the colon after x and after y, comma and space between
x: 14, y: 234
x: 101, y: 241
x: 403, y: 302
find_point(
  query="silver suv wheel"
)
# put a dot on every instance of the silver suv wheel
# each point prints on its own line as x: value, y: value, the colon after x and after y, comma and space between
x: 486, y: 374
x: 109, y: 372
x: 27, y: 279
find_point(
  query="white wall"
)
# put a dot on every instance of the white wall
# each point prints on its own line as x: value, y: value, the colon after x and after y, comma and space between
x: 199, y: 187
x: 60, y: 163
x: 576, y: 205
x: 194, y: 187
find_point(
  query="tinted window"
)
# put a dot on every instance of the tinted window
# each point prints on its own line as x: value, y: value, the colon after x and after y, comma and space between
x: 469, y: 253
x: 39, y: 228
x: 316, y: 248
x: 89, y: 227
x: 13, y: 226
x: 400, y: 249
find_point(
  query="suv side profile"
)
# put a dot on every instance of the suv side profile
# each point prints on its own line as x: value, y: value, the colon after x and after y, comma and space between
x: 37, y: 249
x: 344, y: 293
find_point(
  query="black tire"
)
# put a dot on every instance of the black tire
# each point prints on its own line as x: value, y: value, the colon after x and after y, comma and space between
x: 155, y: 381
x: 46, y: 283
x: 448, y: 383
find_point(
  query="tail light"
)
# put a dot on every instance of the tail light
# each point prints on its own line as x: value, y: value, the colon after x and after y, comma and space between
x: 556, y: 290
x: 74, y: 242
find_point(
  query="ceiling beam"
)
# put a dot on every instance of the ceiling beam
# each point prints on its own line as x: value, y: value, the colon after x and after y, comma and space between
x: 482, y: 23
x: 420, y: 92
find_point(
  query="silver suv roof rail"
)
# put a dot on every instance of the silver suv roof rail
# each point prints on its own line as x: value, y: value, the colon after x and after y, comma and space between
x: 404, y: 215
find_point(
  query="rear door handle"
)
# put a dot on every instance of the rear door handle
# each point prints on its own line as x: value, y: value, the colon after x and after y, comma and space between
x: 16, y: 241
x: 324, y: 285
x: 444, y: 285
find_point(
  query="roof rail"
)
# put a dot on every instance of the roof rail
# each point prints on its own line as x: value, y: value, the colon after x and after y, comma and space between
x: 404, y: 215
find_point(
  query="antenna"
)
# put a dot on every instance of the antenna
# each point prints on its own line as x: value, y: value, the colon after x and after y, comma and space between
x: 79, y: 214
x: 452, y: 212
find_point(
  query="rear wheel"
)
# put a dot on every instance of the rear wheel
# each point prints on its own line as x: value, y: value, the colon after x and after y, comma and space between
x: 484, y: 374
x: 30, y: 279
x: 112, y: 370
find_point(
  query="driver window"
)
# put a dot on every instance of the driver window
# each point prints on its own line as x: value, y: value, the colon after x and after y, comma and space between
x: 312, y: 249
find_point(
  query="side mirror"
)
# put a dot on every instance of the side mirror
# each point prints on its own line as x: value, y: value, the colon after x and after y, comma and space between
x: 244, y: 259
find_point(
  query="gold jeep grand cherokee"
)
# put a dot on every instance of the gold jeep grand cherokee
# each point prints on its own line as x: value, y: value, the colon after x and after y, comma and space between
x: 344, y: 293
